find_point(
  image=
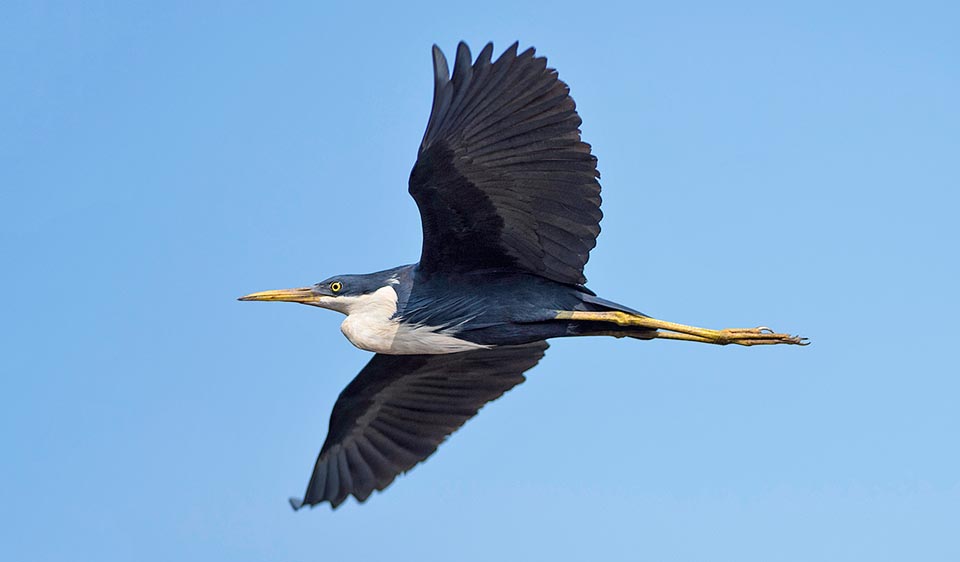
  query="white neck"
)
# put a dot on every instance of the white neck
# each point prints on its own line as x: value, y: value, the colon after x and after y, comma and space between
x: 370, y: 325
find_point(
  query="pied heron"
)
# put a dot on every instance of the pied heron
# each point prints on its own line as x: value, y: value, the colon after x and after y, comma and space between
x: 509, y: 202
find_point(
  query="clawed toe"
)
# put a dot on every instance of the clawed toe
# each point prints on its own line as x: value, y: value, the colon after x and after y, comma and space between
x: 761, y: 335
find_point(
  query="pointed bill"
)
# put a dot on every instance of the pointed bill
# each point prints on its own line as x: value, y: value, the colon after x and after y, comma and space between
x: 304, y: 295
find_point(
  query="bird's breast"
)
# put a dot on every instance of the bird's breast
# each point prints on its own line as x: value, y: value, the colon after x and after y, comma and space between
x: 371, y: 325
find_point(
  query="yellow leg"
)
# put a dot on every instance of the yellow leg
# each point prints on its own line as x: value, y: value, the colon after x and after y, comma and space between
x: 674, y: 331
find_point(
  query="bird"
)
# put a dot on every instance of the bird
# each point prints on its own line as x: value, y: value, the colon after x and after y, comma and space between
x: 509, y: 202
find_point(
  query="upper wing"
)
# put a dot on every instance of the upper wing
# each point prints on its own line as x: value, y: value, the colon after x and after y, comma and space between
x: 399, y: 408
x: 502, y: 179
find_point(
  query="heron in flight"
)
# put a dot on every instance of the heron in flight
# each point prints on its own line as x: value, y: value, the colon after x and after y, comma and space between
x: 509, y: 202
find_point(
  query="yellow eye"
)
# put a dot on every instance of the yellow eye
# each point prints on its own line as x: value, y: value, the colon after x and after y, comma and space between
x: 336, y: 286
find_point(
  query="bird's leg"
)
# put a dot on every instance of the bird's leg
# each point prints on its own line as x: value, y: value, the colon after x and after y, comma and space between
x: 674, y: 331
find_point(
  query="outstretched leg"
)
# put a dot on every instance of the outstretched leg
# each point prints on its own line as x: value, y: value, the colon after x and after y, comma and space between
x: 674, y: 331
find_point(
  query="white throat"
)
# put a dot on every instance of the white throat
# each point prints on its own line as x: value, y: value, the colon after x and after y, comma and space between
x: 370, y: 325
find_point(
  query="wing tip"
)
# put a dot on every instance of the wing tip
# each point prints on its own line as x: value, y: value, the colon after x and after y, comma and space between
x: 462, y: 67
x: 298, y: 503
x: 486, y: 53
x: 509, y: 53
x: 463, y: 52
x: 441, y: 70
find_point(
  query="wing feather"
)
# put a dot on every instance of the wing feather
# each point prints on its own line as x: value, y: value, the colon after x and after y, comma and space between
x: 399, y: 409
x: 502, y: 168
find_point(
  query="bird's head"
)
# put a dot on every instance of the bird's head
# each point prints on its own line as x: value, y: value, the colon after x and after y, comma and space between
x: 340, y: 293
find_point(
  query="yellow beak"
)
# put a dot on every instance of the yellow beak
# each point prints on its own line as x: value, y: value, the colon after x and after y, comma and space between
x: 302, y: 295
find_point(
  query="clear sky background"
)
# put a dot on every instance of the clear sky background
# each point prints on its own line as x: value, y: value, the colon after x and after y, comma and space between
x: 795, y: 167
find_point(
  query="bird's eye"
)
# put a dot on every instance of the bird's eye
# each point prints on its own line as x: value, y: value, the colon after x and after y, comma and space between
x: 336, y: 286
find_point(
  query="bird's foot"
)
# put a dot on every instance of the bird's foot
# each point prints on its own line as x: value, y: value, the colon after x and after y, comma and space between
x: 757, y: 336
x: 739, y: 336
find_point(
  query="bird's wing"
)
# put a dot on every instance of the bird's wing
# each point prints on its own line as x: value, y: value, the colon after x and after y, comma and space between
x: 399, y: 408
x: 502, y: 178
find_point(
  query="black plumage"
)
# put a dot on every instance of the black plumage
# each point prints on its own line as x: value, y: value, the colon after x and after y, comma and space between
x: 400, y: 408
x: 502, y: 178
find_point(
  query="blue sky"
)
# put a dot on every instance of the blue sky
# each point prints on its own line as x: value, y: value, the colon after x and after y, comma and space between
x: 789, y: 166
